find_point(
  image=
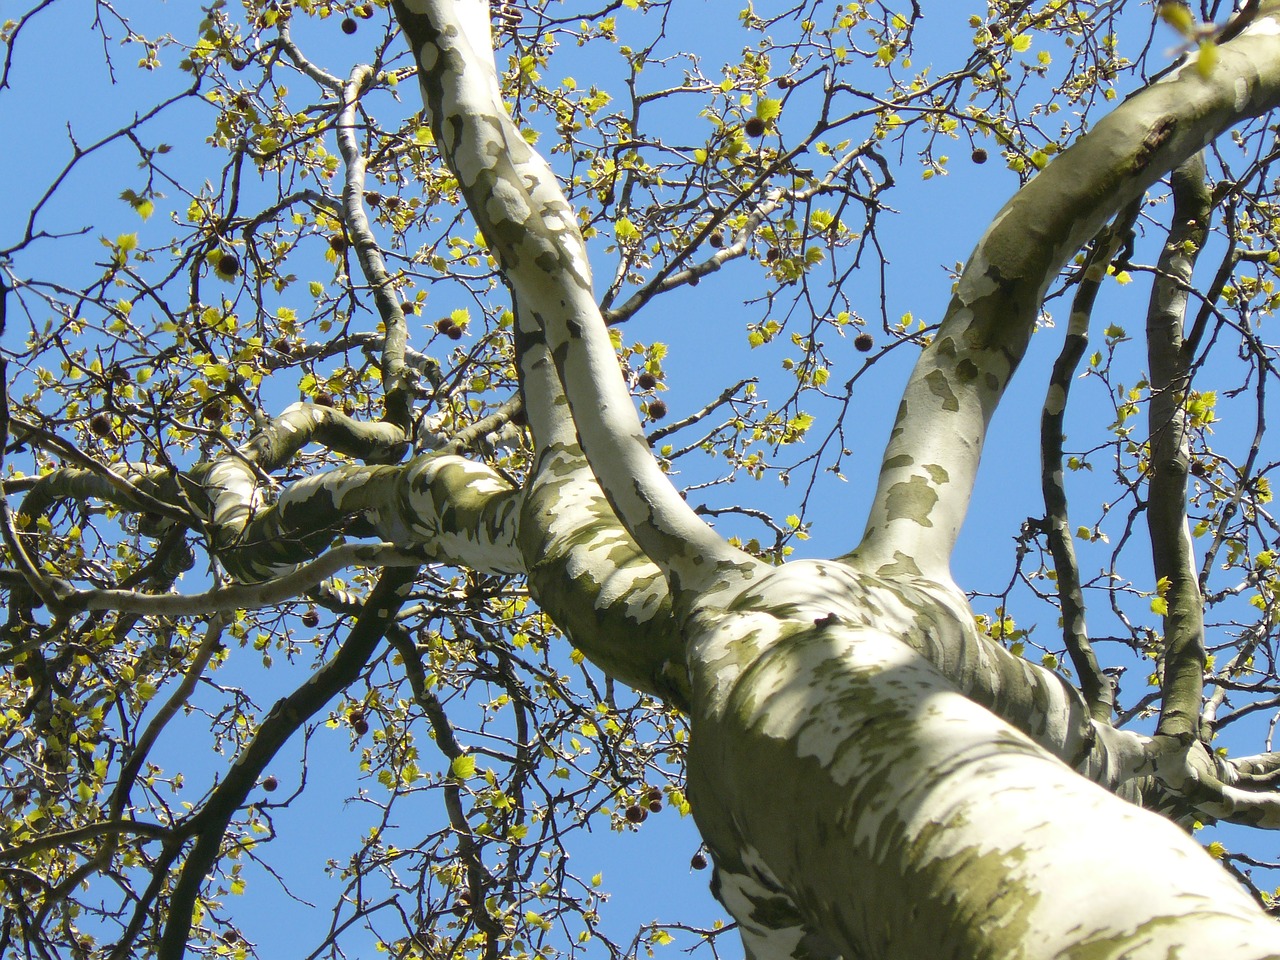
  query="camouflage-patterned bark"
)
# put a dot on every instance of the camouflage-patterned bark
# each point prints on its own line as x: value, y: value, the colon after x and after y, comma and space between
x: 873, y: 777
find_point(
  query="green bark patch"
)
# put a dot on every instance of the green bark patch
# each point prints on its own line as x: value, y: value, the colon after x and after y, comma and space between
x: 941, y: 388
x: 911, y: 500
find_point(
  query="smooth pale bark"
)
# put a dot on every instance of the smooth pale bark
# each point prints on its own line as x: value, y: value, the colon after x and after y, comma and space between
x: 858, y: 797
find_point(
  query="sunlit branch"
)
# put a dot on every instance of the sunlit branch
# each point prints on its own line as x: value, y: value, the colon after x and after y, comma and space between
x: 398, y: 386
x: 533, y: 232
x: 1184, y: 655
x: 1097, y: 689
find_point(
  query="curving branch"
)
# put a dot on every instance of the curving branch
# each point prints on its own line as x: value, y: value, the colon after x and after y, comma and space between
x: 1182, y: 684
x: 931, y: 461
x: 1098, y: 691
x: 533, y: 232
x: 397, y: 380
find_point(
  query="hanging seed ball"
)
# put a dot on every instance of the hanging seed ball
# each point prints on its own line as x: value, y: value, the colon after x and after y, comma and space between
x: 445, y: 324
x: 100, y: 424
x: 785, y: 83
x: 283, y: 346
x: 338, y: 243
x: 863, y: 342
x: 348, y: 26
x: 348, y: 407
x: 454, y: 333
x: 716, y: 240
x: 373, y: 198
x: 772, y: 255
x: 647, y: 381
x: 698, y: 861
x: 1197, y: 469
x: 311, y: 619
x: 979, y: 155
x: 636, y: 814
x: 21, y: 671
x: 364, y: 11
x: 754, y: 127
x: 228, y: 266
x: 323, y: 399
x: 269, y: 784
x: 655, y: 806
x: 361, y: 727
x: 657, y: 409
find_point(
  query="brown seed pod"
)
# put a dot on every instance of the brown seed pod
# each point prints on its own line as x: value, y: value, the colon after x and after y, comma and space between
x: 283, y: 346
x: 364, y: 11
x: 657, y: 409
x: 716, y: 240
x: 445, y: 324
x: 338, y: 243
x: 698, y: 861
x: 228, y: 266
x: 863, y: 342
x: 323, y: 399
x: 754, y: 127
x: 772, y: 255
x: 636, y: 814
x: 361, y: 727
x: 647, y: 381
x: 454, y: 333
x: 785, y: 83
x: 310, y: 619
x: 979, y: 155
x: 348, y: 26
x: 100, y: 424
x: 270, y: 784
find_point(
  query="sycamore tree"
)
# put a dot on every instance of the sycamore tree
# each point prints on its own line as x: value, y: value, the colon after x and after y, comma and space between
x: 525, y: 588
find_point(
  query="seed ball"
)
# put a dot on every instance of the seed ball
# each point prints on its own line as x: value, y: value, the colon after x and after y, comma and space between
x: 979, y: 155
x: 863, y: 342
x: 338, y: 243
x: 269, y: 784
x: 20, y: 671
x: 348, y: 407
x: 785, y: 83
x: 242, y: 101
x: 348, y: 26
x: 176, y: 652
x: 647, y: 381
x: 1197, y: 469
x: 445, y: 324
x: 754, y: 127
x: 655, y: 806
x: 283, y: 346
x: 228, y: 266
x: 772, y: 255
x: 361, y: 727
x: 716, y: 240
x: 215, y: 411
x: 636, y: 814
x: 311, y: 619
x: 657, y: 409
x: 323, y: 399
x: 364, y: 11
x: 100, y: 425
x: 373, y: 198
x: 454, y: 333
x: 698, y: 861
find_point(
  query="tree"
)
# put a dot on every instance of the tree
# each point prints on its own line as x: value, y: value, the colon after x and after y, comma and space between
x: 874, y: 770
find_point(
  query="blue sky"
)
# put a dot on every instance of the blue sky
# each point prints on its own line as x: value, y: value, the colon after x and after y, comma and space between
x: 937, y: 222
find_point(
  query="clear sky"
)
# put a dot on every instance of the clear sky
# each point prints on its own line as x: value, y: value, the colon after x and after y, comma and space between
x: 60, y: 88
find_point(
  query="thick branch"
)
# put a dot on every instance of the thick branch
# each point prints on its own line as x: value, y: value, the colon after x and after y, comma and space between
x: 931, y: 461
x: 533, y: 232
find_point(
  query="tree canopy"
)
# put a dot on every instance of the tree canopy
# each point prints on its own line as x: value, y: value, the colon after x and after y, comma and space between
x: 429, y: 404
